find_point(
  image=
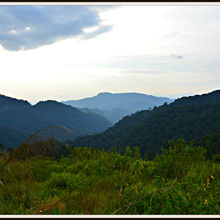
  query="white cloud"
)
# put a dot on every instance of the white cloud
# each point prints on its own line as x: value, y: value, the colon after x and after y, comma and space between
x: 49, y: 24
x: 162, y: 50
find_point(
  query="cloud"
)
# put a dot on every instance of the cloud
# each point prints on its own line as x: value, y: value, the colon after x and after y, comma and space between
x: 31, y: 26
x: 100, y: 29
x: 101, y: 8
x: 143, y: 64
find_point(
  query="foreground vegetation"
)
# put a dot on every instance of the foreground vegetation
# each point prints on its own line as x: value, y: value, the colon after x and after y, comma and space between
x: 90, y: 181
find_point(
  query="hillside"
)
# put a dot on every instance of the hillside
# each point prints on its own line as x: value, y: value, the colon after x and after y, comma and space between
x: 113, y: 106
x: 207, y: 98
x: 58, y: 133
x: 78, y: 122
x: 19, y: 115
x: 49, y: 148
x: 11, y: 137
x: 46, y: 142
x: 188, y: 118
x: 12, y: 103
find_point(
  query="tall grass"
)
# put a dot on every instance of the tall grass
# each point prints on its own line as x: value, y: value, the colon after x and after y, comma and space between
x: 91, y: 181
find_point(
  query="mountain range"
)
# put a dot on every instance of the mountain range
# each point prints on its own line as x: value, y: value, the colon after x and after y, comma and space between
x: 194, y: 118
x: 114, y: 106
x: 189, y: 117
x: 19, y: 119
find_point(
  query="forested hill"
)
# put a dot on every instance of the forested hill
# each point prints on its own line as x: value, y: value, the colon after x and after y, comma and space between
x: 12, y: 103
x: 79, y: 122
x: 208, y: 98
x: 152, y: 129
x: 27, y: 119
x: 10, y: 138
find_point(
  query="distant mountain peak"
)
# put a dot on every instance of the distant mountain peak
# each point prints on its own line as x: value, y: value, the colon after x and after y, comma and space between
x: 52, y: 104
x: 113, y: 106
x: 121, y: 93
x: 48, y: 102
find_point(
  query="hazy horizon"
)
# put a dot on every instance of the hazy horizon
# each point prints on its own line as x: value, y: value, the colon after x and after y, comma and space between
x: 67, y: 52
x: 33, y: 102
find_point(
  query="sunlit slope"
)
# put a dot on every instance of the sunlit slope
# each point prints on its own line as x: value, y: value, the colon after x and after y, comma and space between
x: 45, y: 142
x: 57, y: 132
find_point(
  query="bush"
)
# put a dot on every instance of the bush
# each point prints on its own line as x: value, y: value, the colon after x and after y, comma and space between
x: 176, y: 161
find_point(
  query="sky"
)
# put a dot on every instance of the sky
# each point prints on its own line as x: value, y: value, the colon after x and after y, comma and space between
x: 65, y: 52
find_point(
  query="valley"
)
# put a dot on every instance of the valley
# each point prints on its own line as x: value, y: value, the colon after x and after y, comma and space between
x: 161, y: 160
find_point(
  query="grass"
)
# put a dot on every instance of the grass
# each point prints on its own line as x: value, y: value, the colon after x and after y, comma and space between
x: 92, y: 181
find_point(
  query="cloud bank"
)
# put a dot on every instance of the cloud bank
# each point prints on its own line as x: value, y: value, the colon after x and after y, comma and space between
x: 26, y: 27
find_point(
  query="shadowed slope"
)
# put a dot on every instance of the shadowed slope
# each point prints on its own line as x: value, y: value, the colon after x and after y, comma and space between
x: 11, y: 138
x: 21, y: 116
